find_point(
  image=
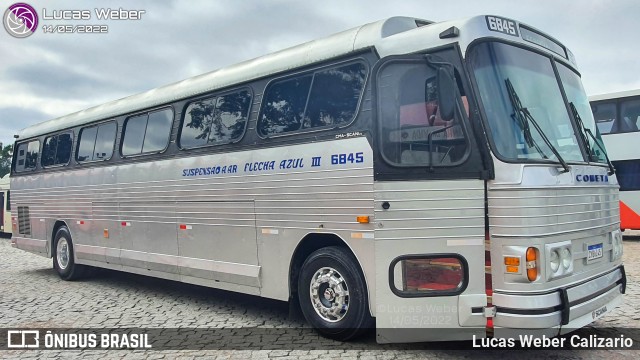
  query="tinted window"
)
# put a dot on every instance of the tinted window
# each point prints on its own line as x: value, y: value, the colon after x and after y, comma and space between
x: 86, y: 144
x: 49, y: 150
x: 96, y: 142
x: 284, y: 106
x: 334, y: 96
x: 629, y: 116
x: 628, y: 174
x: 327, y: 97
x: 56, y: 150
x: 27, y: 157
x: 134, y: 130
x: 197, y: 123
x: 216, y: 120
x: 63, y: 154
x: 147, y: 132
x: 104, y: 141
x: 605, y: 116
x: 156, y: 136
x: 231, y: 116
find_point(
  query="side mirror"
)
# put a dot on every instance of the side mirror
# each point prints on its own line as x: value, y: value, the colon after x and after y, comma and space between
x: 446, y: 94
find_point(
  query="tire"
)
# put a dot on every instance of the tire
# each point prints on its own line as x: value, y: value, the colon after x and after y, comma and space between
x: 340, y: 310
x: 63, y: 258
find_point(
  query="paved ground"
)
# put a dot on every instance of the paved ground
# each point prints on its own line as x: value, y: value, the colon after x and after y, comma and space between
x: 32, y: 295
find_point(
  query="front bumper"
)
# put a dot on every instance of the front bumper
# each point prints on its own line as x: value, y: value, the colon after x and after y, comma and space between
x: 564, y: 309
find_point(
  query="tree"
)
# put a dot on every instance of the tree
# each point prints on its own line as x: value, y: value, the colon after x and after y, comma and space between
x: 5, y: 160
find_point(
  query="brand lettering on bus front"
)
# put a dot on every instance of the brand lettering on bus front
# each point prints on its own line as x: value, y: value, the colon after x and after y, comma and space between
x: 592, y: 178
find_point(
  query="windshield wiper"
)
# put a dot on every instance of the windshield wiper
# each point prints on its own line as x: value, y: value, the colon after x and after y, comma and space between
x: 522, y: 121
x: 585, y: 130
x: 524, y: 117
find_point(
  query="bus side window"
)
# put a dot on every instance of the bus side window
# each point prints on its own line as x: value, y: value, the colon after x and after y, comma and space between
x: 283, y: 108
x: 605, y: 116
x: 27, y: 158
x: 215, y: 120
x: 334, y: 96
x: 414, y: 133
x: 147, y: 132
x: 324, y: 98
x: 629, y: 114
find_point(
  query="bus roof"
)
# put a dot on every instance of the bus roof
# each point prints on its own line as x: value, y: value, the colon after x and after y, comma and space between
x: 614, y: 95
x: 332, y: 46
x: 388, y: 36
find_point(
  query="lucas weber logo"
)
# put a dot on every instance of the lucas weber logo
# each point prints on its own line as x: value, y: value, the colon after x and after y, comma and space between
x: 20, y: 20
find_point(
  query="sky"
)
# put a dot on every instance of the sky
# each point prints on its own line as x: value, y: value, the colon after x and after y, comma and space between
x: 47, y: 75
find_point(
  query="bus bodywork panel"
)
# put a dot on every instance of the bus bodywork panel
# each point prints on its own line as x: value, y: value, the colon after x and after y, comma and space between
x: 424, y: 218
x: 227, y: 220
x: 536, y: 206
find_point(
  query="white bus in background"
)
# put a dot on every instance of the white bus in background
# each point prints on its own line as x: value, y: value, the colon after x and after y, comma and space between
x: 440, y: 179
x: 618, y: 118
x: 5, y: 214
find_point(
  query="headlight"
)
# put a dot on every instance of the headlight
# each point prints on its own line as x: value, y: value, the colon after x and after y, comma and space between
x: 554, y: 260
x: 559, y: 259
x: 565, y: 255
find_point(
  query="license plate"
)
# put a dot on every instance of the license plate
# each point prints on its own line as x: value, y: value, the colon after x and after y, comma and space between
x: 594, y: 252
x: 596, y: 314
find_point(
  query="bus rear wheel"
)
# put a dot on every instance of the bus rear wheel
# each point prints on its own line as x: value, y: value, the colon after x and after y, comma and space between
x: 333, y: 295
x: 63, y: 258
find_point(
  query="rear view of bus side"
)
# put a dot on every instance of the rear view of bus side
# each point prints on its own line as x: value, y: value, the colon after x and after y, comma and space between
x: 618, y: 118
x: 438, y: 181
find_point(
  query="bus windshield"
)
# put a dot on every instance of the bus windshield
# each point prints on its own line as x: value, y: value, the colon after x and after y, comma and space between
x: 577, y: 96
x: 534, y: 126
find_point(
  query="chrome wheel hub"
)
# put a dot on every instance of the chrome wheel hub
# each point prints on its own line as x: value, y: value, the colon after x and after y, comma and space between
x: 329, y: 294
x: 62, y: 253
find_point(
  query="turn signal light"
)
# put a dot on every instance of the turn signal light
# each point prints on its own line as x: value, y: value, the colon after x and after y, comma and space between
x: 512, y: 260
x: 362, y: 219
x: 512, y: 264
x: 532, y: 268
x: 513, y: 269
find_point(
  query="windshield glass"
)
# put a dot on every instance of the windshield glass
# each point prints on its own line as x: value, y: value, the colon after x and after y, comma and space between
x: 576, y: 95
x: 504, y: 73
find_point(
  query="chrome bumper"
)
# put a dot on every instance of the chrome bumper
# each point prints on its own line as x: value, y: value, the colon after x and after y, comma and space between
x: 564, y: 309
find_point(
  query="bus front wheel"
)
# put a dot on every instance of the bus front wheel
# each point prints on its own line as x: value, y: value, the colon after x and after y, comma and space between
x: 333, y: 294
x: 63, y: 260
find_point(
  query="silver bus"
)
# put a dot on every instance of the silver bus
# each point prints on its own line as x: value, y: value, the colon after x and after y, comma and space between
x: 438, y: 181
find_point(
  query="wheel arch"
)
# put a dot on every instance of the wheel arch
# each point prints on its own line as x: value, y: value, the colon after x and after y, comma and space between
x: 310, y: 243
x: 57, y: 225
